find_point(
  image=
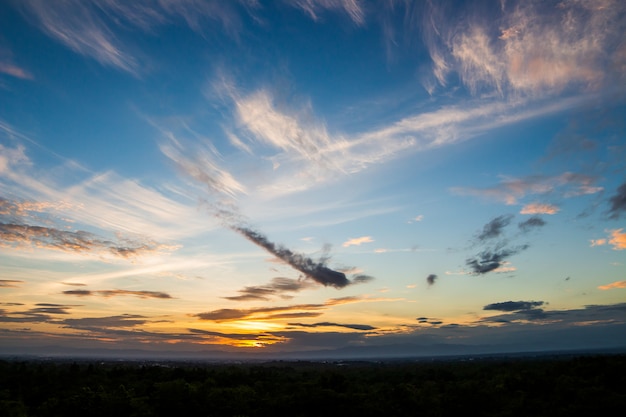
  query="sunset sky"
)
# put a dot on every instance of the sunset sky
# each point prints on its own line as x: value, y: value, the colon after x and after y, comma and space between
x: 299, y: 175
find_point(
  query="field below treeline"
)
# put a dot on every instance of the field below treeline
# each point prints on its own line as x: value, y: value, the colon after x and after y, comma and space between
x: 551, y: 386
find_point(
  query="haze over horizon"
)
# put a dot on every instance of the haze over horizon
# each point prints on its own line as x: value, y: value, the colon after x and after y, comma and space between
x: 290, y: 176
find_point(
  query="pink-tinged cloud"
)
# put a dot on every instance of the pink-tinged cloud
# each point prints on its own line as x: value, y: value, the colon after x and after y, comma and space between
x: 616, y: 238
x: 597, y: 242
x: 14, y: 71
x: 510, y: 190
x: 541, y: 48
x: 357, y: 241
x: 539, y: 208
x: 613, y: 285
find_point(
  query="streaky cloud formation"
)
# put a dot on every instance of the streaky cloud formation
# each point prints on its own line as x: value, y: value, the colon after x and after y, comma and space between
x: 115, y: 293
x: 17, y: 235
x: 121, y: 321
x: 364, y: 327
x: 229, y: 314
x: 301, y: 310
x: 10, y: 283
x: 313, y: 8
x: 91, y: 27
x: 279, y: 286
x: 511, y: 190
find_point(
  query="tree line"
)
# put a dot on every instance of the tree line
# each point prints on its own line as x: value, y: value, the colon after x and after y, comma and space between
x: 512, y: 387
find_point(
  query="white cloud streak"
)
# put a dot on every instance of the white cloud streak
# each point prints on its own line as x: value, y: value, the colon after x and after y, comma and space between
x: 92, y: 27
x: 102, y: 200
x: 314, y: 7
x: 304, y: 153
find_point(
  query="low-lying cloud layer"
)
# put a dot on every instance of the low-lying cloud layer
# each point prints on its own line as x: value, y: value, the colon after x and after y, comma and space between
x: 115, y: 293
x: 278, y: 287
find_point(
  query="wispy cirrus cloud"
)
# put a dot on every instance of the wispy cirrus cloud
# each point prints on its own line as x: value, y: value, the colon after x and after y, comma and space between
x: 103, y: 201
x: 96, y: 28
x: 9, y: 67
x: 314, y: 8
x: 529, y: 54
x: 116, y: 293
x: 511, y: 190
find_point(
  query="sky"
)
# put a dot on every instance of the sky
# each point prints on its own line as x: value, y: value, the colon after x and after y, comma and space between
x: 301, y: 175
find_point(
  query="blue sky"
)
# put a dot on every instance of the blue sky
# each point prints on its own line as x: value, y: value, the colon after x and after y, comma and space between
x: 301, y: 175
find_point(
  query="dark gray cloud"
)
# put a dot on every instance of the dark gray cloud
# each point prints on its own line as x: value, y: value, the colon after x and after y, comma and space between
x: 42, y: 312
x: 364, y: 327
x: 513, y: 305
x: 531, y: 223
x: 315, y: 270
x: 430, y: 279
x: 44, y: 308
x: 618, y: 202
x: 124, y: 320
x: 23, y: 317
x: 114, y: 293
x: 495, y: 227
x: 277, y: 287
x: 489, y: 260
x: 429, y: 320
